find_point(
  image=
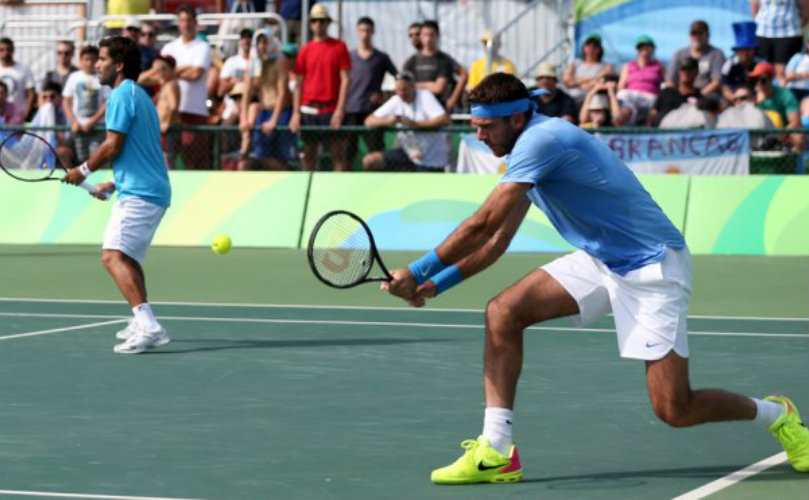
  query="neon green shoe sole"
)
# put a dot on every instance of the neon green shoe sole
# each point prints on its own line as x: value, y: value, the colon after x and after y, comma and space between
x: 480, y: 463
x: 790, y: 430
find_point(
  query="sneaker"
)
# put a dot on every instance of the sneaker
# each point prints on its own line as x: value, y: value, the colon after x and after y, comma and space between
x: 792, y: 433
x: 126, y: 332
x: 142, y: 340
x: 481, y: 463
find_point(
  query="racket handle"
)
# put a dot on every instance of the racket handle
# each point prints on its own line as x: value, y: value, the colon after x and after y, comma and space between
x: 93, y: 190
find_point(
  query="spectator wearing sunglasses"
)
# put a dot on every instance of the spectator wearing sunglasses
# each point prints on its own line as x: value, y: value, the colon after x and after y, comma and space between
x: 65, y: 51
x: 743, y: 113
x: 777, y: 102
x: 414, y: 34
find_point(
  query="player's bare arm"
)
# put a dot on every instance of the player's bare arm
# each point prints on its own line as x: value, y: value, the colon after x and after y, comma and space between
x: 473, y: 233
x: 109, y: 149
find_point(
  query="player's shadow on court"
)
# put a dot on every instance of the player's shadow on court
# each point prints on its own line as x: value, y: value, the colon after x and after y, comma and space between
x: 630, y: 479
x: 205, y: 345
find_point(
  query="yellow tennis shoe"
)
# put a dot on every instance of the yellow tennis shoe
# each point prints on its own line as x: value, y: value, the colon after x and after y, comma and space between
x: 480, y: 463
x: 792, y: 433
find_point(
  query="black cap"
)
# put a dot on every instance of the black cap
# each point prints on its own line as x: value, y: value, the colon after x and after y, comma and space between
x: 689, y: 64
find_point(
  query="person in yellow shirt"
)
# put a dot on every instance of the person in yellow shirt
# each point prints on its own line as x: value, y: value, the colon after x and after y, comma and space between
x: 499, y: 64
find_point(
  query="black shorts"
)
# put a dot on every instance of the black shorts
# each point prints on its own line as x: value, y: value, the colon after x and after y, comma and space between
x: 779, y: 50
x: 326, y: 137
x: 396, y: 160
x: 374, y: 139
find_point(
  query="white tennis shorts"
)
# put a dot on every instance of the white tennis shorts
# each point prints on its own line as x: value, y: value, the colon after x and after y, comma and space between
x: 650, y: 304
x: 131, y: 227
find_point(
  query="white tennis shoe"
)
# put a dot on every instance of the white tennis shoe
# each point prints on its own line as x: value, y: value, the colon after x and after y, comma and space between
x: 140, y: 339
x: 126, y: 332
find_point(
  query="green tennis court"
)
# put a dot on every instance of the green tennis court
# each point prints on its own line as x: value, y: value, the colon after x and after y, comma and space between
x: 277, y: 387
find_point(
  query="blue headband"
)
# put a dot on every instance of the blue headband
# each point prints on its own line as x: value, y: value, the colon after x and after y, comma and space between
x: 501, y: 109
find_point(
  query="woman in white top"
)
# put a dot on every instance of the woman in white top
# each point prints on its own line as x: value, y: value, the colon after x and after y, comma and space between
x: 583, y: 74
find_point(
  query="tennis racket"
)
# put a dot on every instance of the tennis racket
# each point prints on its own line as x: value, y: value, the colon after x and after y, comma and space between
x: 29, y: 157
x: 342, y: 251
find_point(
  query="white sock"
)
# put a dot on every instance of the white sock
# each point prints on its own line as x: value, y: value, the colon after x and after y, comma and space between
x: 145, y: 317
x: 497, y: 428
x: 767, y: 412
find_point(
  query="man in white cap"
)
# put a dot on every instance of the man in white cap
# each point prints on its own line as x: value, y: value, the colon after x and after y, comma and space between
x: 322, y: 73
x: 556, y: 102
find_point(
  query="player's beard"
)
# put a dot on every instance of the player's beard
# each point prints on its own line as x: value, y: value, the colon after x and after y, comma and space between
x: 110, y: 80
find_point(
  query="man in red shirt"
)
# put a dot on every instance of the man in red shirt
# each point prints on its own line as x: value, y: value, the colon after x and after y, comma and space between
x: 322, y: 71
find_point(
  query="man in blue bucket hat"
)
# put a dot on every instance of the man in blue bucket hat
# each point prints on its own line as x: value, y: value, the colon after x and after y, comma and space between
x: 744, y: 59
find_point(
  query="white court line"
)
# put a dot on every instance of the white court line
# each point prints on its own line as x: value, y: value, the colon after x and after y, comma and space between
x: 733, y: 478
x: 60, y: 330
x: 357, y: 308
x: 83, y: 495
x: 382, y: 323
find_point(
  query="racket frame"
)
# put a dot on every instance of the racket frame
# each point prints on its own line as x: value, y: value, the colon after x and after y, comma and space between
x: 57, y: 162
x: 374, y: 252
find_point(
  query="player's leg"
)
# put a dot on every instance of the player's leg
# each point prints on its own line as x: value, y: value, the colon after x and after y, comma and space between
x: 129, y: 233
x: 127, y: 274
x: 676, y: 404
x: 537, y: 297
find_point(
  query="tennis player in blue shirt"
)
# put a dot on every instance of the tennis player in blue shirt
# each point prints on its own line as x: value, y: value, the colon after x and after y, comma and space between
x: 632, y: 262
x: 141, y: 179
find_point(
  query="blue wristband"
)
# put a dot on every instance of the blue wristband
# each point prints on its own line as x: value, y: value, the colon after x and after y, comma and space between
x: 447, y: 279
x: 426, y: 267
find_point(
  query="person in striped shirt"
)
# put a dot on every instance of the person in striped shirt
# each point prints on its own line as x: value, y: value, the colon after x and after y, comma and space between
x: 778, y: 31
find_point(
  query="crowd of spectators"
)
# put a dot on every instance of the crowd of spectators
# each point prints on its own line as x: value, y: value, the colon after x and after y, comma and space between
x: 274, y: 93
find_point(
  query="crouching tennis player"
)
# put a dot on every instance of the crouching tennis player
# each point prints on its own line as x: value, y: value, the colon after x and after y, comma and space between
x: 631, y: 261
x: 141, y: 178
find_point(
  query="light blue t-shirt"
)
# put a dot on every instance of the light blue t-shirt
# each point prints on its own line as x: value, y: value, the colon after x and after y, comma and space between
x: 140, y: 169
x: 591, y: 197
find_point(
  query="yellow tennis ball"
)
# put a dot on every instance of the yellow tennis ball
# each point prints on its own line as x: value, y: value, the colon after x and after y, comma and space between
x: 221, y: 244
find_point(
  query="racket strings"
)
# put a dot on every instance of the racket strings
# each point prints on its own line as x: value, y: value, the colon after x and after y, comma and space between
x: 341, y: 250
x: 27, y: 156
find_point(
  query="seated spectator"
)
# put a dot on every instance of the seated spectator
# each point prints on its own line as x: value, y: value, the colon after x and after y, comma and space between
x: 435, y: 70
x: 264, y: 147
x: 193, y: 58
x: 167, y: 101
x: 50, y: 113
x: 735, y: 69
x: 556, y: 102
x: 672, y: 98
x: 582, y: 74
x: 19, y: 81
x: 7, y: 110
x: 416, y: 108
x: 369, y: 66
x: 147, y: 41
x: 85, y: 102
x: 601, y: 107
x: 709, y: 59
x: 778, y: 100
x: 778, y: 30
x: 797, y: 77
x: 133, y: 29
x: 64, y: 64
x: 641, y: 79
x: 699, y: 115
x: 498, y: 64
x: 595, y: 111
x: 236, y: 66
x: 743, y: 114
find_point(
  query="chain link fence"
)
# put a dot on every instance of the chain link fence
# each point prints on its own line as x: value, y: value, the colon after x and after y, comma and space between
x: 357, y: 148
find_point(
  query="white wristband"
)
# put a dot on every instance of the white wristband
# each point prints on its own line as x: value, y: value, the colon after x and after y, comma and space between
x: 85, y: 170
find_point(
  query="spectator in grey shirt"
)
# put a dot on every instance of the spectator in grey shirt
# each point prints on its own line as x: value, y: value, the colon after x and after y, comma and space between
x: 368, y: 68
x: 710, y: 59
